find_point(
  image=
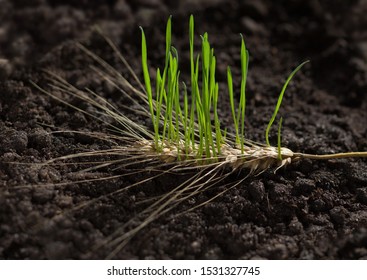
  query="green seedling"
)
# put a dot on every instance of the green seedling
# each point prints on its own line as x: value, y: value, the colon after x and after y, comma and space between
x: 192, y: 130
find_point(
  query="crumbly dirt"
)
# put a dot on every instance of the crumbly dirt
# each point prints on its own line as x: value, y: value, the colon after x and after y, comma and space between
x: 310, y: 210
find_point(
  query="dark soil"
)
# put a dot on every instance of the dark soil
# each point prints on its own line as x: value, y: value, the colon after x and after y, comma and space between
x: 310, y: 210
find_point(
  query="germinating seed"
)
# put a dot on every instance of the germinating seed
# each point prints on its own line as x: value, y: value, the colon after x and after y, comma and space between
x: 183, y: 136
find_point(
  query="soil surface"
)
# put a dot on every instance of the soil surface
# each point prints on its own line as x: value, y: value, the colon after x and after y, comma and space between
x: 309, y: 210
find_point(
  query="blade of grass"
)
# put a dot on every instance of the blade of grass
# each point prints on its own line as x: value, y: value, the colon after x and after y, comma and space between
x: 280, y: 98
x: 147, y: 83
x: 231, y: 100
x: 205, y: 92
x: 186, y: 122
x: 280, y: 139
x: 218, y: 131
x: 166, y: 81
x: 193, y: 81
x: 242, y: 105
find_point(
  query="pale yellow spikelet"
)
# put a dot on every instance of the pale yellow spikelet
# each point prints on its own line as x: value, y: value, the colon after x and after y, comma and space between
x: 254, y: 158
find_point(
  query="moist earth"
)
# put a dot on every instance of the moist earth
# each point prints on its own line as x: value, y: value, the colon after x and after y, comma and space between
x: 309, y: 210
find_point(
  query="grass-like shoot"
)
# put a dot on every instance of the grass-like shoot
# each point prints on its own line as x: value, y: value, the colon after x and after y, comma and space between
x: 191, y: 123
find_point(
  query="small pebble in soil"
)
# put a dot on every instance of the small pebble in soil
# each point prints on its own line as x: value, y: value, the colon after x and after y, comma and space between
x: 196, y: 246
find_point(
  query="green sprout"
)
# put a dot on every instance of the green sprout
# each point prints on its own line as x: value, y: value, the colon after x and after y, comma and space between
x: 191, y: 127
x: 280, y: 99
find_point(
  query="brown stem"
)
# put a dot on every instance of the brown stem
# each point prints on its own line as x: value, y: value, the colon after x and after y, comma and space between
x: 332, y: 156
